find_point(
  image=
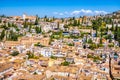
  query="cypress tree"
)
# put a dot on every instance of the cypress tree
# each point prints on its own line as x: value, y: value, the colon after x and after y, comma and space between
x: 38, y: 29
x: 112, y: 28
x: 75, y: 23
x: 25, y: 24
x: 2, y: 35
x: 78, y: 22
x: 0, y: 20
x: 30, y: 27
x: 101, y: 35
x: 116, y: 33
x: 58, y: 25
x: 36, y: 21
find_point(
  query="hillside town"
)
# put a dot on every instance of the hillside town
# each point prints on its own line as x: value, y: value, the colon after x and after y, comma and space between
x: 50, y: 48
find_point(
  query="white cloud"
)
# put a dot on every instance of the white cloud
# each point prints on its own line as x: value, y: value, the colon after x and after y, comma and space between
x: 100, y: 12
x: 61, y: 14
x: 55, y: 12
x: 76, y: 12
x: 86, y: 11
x: 66, y: 12
x: 80, y: 12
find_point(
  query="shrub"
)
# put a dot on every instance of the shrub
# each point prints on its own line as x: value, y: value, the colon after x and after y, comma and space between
x: 70, y: 44
x: 35, y: 73
x: 110, y: 45
x: 39, y: 45
x: 65, y: 63
x: 53, y: 57
x: 93, y: 46
x: 90, y: 41
x: 15, y: 53
x: 100, y: 45
x: 89, y: 56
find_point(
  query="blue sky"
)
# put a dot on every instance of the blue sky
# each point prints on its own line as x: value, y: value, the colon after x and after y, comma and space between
x: 58, y: 8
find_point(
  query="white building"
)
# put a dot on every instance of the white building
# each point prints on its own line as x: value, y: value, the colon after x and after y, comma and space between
x: 46, y: 52
x: 46, y: 28
x: 24, y: 16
